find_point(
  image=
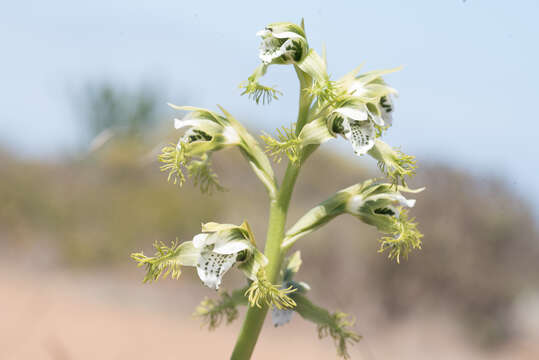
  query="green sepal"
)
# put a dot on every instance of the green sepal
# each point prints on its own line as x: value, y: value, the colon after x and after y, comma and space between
x: 371, y: 76
x: 278, y: 28
x: 291, y: 265
x: 230, y: 230
x: 314, y: 66
x: 315, y: 132
x: 254, y: 154
x: 317, y: 217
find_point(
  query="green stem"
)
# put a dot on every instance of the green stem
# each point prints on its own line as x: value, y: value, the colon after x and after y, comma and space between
x: 254, y: 319
x: 277, y: 219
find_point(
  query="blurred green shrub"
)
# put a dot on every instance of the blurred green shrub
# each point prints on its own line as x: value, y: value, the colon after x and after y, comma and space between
x: 480, y: 250
x: 124, y: 111
x: 480, y: 246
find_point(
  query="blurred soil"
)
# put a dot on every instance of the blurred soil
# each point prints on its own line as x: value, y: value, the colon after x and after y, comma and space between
x: 62, y: 315
x: 70, y: 291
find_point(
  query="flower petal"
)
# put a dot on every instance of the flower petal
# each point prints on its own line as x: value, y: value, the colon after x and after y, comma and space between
x: 286, y: 35
x: 212, y: 266
x: 394, y: 197
x: 387, y: 107
x: 279, y: 317
x: 263, y: 33
x: 361, y: 135
x: 200, y: 240
x: 354, y: 114
x: 230, y: 247
x: 270, y: 49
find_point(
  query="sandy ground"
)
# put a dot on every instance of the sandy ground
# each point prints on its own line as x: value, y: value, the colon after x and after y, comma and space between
x: 61, y: 316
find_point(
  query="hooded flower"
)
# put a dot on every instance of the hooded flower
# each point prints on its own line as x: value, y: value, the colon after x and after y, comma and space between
x: 373, y: 91
x: 208, y: 132
x: 378, y: 204
x: 282, y: 43
x: 213, y: 252
x: 354, y: 122
x: 383, y: 206
x: 221, y: 247
x: 205, y: 132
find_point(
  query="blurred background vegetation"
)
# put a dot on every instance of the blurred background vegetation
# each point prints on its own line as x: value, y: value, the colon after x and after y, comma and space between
x: 92, y: 209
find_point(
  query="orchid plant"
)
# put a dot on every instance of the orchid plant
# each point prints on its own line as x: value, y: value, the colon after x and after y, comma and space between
x: 358, y: 107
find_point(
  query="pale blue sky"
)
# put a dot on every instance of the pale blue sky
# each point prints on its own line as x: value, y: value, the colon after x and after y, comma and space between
x: 467, y: 89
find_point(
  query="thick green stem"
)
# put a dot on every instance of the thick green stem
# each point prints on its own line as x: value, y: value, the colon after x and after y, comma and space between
x: 276, y: 223
x: 254, y: 319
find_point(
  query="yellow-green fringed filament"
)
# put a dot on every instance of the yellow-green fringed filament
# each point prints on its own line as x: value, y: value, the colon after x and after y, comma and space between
x: 263, y: 292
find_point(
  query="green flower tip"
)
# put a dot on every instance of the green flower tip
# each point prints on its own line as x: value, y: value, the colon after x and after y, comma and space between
x: 393, y: 163
x: 338, y: 329
x: 173, y: 158
x: 405, y: 238
x: 327, y: 91
x: 398, y: 168
x: 287, y: 142
x: 263, y: 292
x: 213, y: 312
x: 259, y: 93
x: 175, y: 162
x: 164, y: 262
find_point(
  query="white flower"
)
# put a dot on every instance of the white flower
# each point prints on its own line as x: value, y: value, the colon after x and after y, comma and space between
x: 356, y: 126
x: 213, y: 252
x: 282, y: 43
x: 371, y: 89
x: 218, y: 253
x: 380, y: 205
x: 222, y: 246
x: 200, y: 129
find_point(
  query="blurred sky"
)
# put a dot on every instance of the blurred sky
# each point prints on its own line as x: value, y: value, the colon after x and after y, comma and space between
x: 467, y: 89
